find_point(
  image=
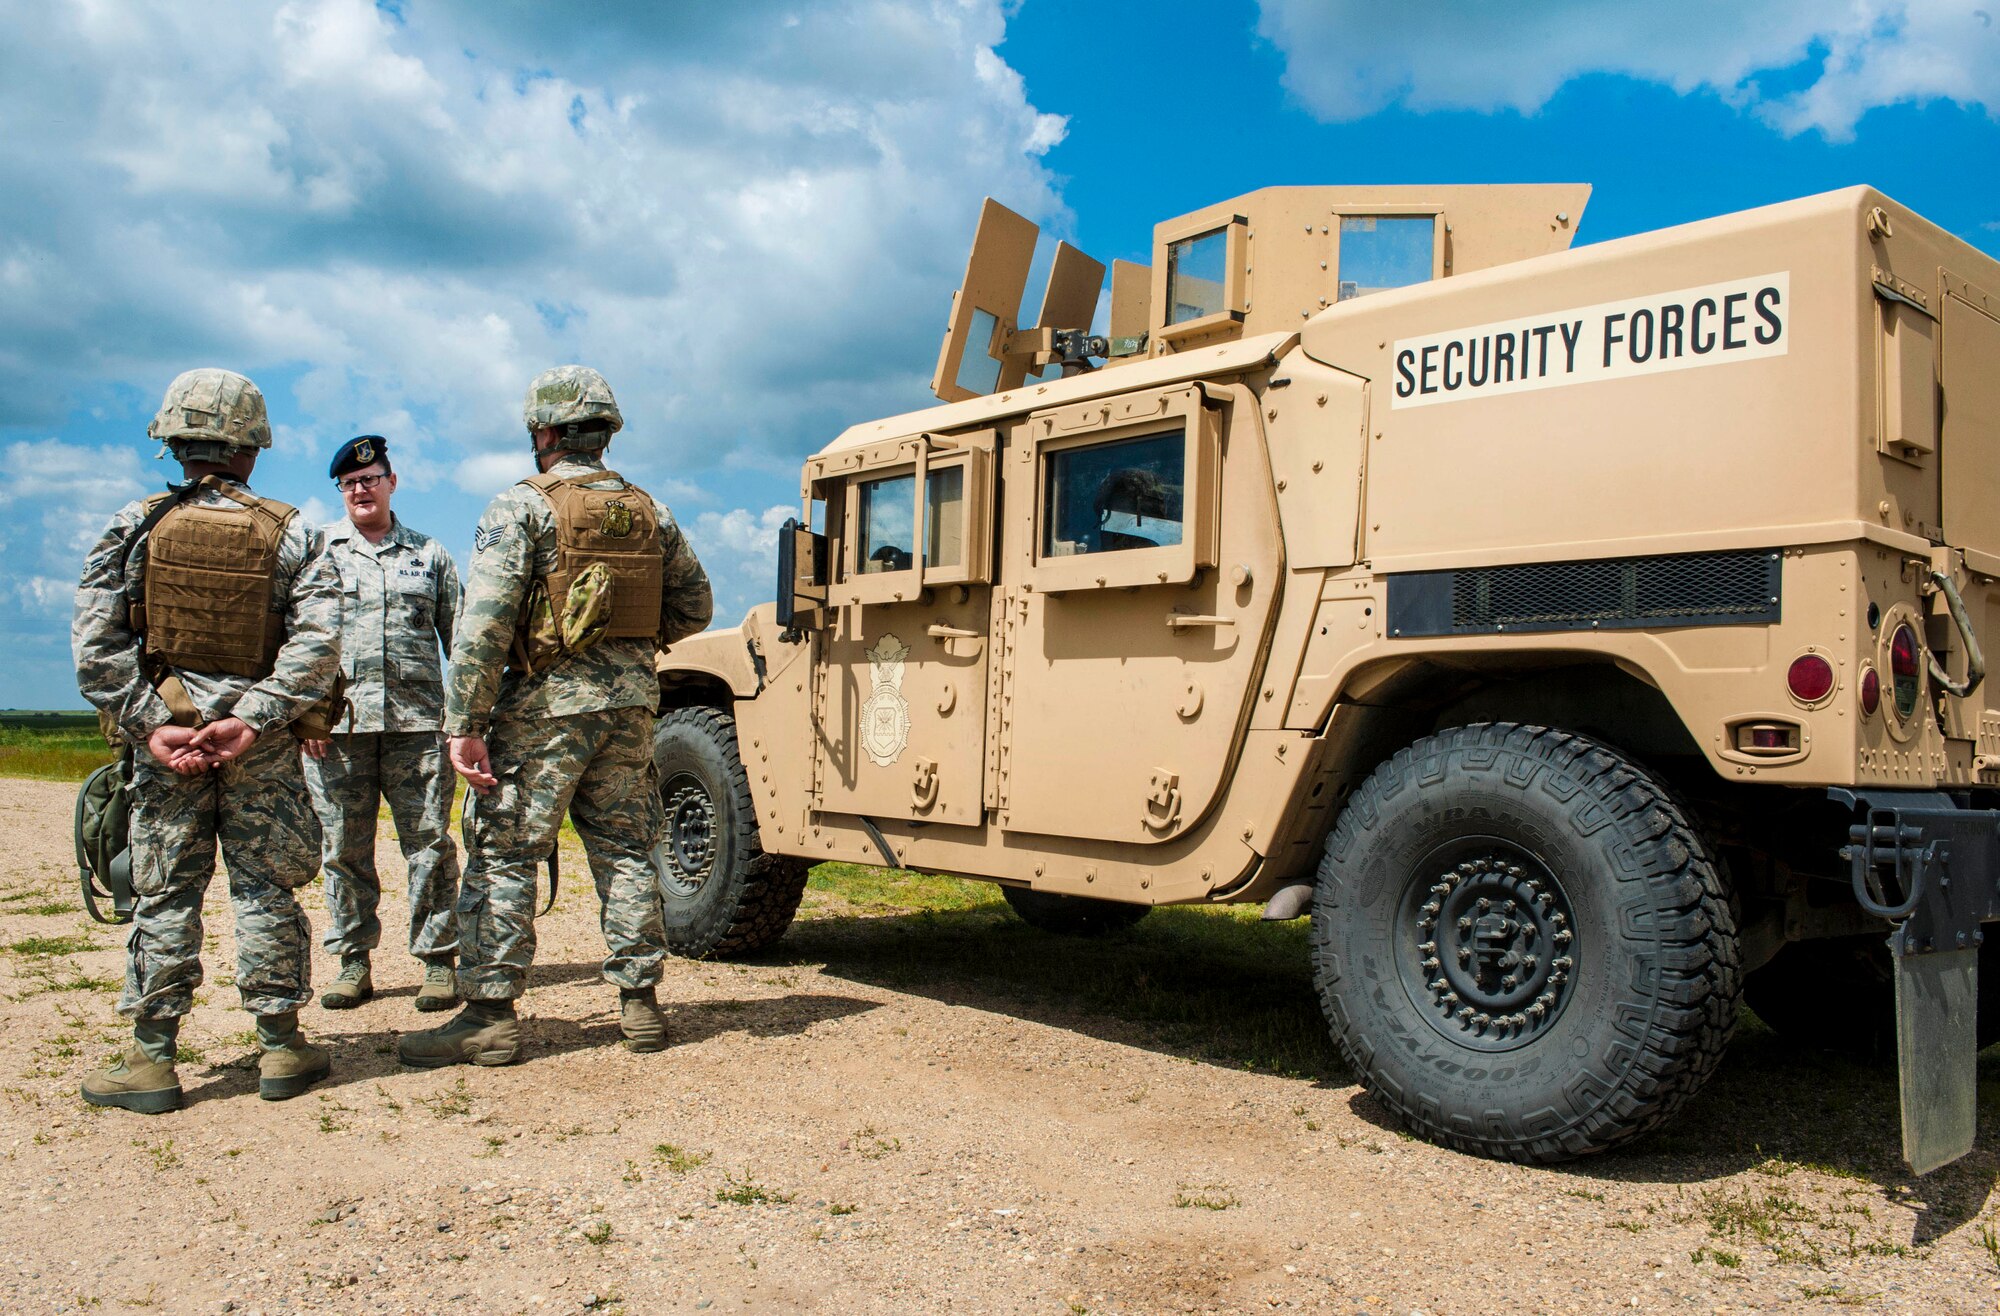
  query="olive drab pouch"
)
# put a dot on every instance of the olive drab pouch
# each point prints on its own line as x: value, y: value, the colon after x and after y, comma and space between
x: 607, y: 579
x: 103, y: 842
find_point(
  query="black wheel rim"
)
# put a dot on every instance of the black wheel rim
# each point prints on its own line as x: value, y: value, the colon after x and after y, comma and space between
x: 1486, y: 943
x: 689, y: 851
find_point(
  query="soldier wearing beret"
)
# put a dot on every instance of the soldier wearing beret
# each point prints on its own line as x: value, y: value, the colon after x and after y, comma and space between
x: 399, y: 600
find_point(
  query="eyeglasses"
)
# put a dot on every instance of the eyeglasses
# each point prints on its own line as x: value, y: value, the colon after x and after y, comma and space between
x: 357, y: 482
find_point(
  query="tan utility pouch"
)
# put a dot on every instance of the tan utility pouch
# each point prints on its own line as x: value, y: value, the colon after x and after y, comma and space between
x: 607, y: 580
x: 318, y: 722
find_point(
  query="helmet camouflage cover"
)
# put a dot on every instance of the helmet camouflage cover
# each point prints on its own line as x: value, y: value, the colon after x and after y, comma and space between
x: 212, y: 406
x: 572, y: 395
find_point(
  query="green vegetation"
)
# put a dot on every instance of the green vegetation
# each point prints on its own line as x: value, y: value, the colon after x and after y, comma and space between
x: 678, y: 1159
x: 51, y: 746
x: 68, y: 944
x: 748, y: 1192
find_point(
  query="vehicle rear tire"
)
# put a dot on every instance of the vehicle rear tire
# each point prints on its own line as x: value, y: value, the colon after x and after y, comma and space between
x: 721, y: 894
x: 1075, y: 916
x: 1521, y: 944
x: 1838, y: 994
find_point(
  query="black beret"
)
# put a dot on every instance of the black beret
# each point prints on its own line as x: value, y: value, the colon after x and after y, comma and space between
x: 359, y: 451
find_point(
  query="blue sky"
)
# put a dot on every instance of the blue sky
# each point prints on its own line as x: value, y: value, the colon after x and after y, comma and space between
x: 751, y: 216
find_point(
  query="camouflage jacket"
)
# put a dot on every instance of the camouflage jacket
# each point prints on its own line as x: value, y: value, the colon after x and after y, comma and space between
x: 307, y: 593
x: 514, y: 545
x: 399, y: 599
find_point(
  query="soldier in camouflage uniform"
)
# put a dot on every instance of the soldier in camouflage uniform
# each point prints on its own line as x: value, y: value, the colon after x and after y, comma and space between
x: 568, y: 727
x: 400, y: 598
x: 215, y: 758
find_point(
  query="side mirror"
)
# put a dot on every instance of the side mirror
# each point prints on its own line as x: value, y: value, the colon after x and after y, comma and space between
x: 802, y: 580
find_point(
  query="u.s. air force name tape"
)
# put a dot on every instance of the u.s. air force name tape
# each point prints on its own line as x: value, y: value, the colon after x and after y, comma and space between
x: 1740, y: 320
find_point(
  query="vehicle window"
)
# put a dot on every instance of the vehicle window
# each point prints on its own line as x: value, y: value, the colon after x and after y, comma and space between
x: 978, y: 368
x: 944, y: 517
x: 1195, y: 268
x: 1378, y: 252
x: 1112, y: 496
x: 888, y: 535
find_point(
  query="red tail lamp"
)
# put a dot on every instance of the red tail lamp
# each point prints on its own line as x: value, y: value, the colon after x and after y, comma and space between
x: 1810, y: 678
x: 1871, y: 691
x: 1905, y: 669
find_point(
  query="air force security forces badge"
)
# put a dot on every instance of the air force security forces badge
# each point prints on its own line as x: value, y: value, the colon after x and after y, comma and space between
x: 885, y: 717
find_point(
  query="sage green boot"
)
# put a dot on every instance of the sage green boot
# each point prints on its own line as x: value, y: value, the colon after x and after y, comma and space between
x: 290, y: 1064
x: 353, y: 985
x: 639, y: 1020
x: 440, y: 989
x: 135, y: 1081
x: 483, y: 1033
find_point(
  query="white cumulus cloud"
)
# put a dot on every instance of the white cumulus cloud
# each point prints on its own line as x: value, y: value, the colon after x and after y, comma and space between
x: 739, y: 550
x: 1800, y: 65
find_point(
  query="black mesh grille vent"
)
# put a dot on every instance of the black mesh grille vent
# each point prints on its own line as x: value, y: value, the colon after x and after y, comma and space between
x: 1689, y: 589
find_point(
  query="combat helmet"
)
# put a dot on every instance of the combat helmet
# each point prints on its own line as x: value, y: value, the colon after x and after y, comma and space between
x: 577, y: 402
x: 208, y: 414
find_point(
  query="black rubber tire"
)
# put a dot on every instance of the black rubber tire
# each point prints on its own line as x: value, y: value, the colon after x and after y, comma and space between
x: 743, y: 899
x: 1837, y: 994
x: 1075, y: 916
x: 1648, y: 1003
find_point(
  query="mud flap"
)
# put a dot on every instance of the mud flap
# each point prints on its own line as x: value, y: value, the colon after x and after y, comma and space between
x: 1937, y: 1012
x: 1931, y: 867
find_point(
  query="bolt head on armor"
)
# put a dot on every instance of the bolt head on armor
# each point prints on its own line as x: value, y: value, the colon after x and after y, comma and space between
x: 567, y: 396
x: 211, y: 406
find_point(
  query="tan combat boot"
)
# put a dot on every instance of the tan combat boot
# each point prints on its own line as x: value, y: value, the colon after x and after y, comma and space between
x: 440, y: 989
x: 483, y: 1033
x: 354, y: 984
x: 290, y: 1064
x: 639, y: 1020
x: 133, y: 1082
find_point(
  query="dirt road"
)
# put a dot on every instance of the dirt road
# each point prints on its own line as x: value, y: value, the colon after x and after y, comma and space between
x: 901, y: 1112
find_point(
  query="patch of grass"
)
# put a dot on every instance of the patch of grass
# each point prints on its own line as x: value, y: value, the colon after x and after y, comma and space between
x: 186, y: 1053
x: 1631, y: 1226
x: 162, y: 1154
x: 841, y: 1208
x: 632, y: 1174
x: 598, y: 1234
x: 1586, y: 1194
x: 1791, y: 1229
x: 1209, y: 1197
x: 896, y: 890
x: 678, y: 1159
x: 68, y: 944
x: 54, y: 751
x: 1991, y: 1242
x: 1727, y: 1260
x: 871, y: 1145
x: 748, y: 1192
x: 63, y: 977
x: 46, y: 909
x: 454, y: 1100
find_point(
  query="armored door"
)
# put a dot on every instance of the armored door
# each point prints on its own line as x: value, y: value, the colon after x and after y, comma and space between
x: 900, y: 696
x: 1139, y: 581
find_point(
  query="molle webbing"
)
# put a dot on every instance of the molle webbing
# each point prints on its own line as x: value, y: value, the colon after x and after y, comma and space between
x: 616, y: 527
x: 210, y: 575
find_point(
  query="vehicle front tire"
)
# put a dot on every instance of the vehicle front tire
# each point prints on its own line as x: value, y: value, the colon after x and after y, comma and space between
x: 1075, y: 916
x: 1522, y: 945
x: 721, y: 894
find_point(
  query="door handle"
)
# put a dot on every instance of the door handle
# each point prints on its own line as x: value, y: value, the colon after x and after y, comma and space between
x: 943, y: 632
x: 1181, y: 621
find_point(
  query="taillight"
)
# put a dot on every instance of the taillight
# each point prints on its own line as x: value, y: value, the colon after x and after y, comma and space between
x: 1904, y: 669
x: 1810, y: 678
x: 1871, y: 691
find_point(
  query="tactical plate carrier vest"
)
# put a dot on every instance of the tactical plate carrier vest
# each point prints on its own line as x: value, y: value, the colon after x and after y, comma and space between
x: 210, y: 574
x: 607, y: 579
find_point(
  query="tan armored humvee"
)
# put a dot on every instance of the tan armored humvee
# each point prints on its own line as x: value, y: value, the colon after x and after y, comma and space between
x: 1585, y: 639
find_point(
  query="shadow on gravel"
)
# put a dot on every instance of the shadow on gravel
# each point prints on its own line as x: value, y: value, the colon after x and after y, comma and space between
x: 1235, y: 992
x: 1200, y: 985
x: 370, y: 1055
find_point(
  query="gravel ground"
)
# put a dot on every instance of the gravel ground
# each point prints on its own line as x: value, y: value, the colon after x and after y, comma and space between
x: 815, y: 1141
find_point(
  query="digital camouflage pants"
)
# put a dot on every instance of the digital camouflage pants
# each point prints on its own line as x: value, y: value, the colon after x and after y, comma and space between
x: 409, y: 769
x: 256, y: 808
x: 597, y: 768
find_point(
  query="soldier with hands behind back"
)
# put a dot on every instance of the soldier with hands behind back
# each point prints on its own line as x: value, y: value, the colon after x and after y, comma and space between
x: 400, y: 597
x: 577, y: 578
x: 206, y: 634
